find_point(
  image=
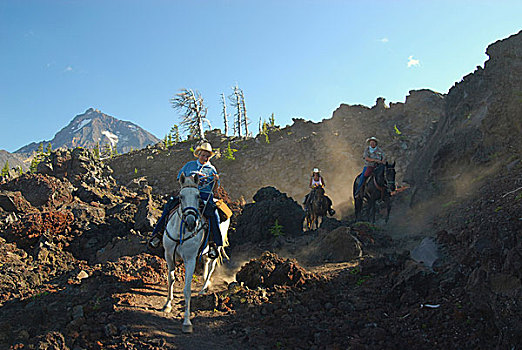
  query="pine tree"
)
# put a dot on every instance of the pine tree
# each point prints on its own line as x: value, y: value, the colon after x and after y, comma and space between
x: 272, y: 120
x: 37, y: 158
x: 40, y: 150
x: 49, y: 149
x: 96, y: 150
x: 174, y: 131
x: 5, y: 169
x: 106, y: 151
x: 34, y: 165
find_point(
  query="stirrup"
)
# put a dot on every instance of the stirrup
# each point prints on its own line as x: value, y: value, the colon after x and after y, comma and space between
x: 331, y: 212
x: 154, y: 242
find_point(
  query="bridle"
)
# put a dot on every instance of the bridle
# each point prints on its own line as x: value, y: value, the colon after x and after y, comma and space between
x: 184, y: 214
x: 390, y: 183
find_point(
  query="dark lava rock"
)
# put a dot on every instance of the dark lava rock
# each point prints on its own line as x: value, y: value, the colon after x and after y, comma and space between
x: 270, y: 270
x: 41, y: 190
x: 257, y: 222
x: 14, y: 202
x: 336, y: 246
x: 28, y: 230
x: 146, y: 216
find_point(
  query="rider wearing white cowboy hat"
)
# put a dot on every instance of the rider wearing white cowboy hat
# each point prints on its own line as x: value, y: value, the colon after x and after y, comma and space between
x: 208, y: 184
x: 373, y: 155
x: 316, y: 180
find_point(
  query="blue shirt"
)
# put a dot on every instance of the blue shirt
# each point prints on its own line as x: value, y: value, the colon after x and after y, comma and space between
x: 206, y: 173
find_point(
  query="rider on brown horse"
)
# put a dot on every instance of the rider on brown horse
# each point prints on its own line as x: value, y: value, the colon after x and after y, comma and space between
x: 373, y: 155
x: 316, y: 180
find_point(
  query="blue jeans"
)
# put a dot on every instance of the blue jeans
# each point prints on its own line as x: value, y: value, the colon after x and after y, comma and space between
x: 213, y: 218
x: 361, y: 180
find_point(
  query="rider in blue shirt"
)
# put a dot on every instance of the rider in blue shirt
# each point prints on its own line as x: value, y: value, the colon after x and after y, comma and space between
x: 208, y: 183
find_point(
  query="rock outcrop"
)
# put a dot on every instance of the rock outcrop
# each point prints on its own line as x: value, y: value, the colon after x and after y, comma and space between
x: 271, y: 215
x: 480, y: 126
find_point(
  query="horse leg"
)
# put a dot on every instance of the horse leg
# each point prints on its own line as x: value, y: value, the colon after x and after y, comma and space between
x: 209, y: 272
x: 388, y: 209
x: 171, y: 263
x: 190, y: 266
x: 372, y: 210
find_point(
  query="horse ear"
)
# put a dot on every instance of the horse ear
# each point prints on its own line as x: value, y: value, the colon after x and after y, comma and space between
x: 196, y: 178
x: 182, y: 178
x: 393, y: 165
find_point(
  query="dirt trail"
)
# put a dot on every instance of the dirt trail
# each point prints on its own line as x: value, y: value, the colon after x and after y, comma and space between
x: 147, y: 325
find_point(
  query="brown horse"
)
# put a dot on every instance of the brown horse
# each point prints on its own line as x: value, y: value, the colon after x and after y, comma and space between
x: 317, y: 205
x: 379, y: 188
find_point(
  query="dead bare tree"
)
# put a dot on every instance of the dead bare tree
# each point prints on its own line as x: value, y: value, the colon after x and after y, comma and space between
x: 193, y: 112
x: 245, y: 118
x: 235, y: 102
x: 225, y: 114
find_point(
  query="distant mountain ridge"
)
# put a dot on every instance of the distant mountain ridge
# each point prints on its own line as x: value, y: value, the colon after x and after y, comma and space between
x: 93, y: 127
x: 14, y: 160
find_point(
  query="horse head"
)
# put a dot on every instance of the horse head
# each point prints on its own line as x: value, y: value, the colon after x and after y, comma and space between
x: 189, y: 198
x: 318, y: 191
x: 389, y: 171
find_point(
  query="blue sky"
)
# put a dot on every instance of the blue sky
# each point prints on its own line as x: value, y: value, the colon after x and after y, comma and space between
x: 293, y: 58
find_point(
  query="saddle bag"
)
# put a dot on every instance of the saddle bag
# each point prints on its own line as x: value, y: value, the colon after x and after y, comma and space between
x: 224, y: 211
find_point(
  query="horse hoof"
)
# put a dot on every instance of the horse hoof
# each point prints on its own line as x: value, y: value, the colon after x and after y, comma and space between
x: 186, y: 328
x: 166, y: 309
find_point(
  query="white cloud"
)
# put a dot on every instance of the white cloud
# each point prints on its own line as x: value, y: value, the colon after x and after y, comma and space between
x: 412, y: 62
x: 384, y: 40
x: 68, y: 69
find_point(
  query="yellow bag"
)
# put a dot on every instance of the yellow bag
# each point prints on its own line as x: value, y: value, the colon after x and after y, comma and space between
x: 225, y: 212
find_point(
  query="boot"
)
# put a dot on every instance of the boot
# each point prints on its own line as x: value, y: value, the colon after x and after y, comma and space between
x: 212, y: 250
x: 154, y: 242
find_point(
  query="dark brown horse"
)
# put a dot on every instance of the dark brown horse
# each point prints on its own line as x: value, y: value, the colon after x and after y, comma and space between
x: 379, y: 187
x: 317, y: 206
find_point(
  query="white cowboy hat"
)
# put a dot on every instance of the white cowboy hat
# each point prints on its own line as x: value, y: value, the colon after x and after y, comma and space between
x: 373, y: 138
x: 316, y: 170
x: 205, y: 146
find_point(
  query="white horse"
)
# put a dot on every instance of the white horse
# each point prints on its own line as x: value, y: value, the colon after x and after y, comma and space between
x: 183, y: 237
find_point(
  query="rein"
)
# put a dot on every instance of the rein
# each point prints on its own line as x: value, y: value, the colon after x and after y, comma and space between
x: 182, y: 216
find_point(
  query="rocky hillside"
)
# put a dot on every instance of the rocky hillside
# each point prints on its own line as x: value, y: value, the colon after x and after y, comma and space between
x: 480, y: 129
x: 286, y: 157
x: 93, y: 127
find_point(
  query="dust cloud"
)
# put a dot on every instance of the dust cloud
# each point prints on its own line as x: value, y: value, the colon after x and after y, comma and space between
x: 342, y: 164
